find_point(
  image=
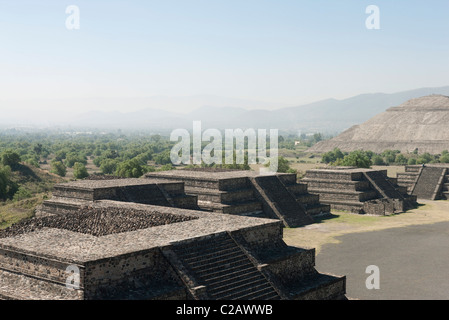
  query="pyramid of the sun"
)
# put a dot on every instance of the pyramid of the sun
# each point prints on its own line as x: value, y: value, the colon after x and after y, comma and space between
x: 420, y: 123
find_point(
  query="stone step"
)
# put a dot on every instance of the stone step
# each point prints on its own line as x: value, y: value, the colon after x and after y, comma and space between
x: 64, y: 191
x: 185, y: 201
x: 382, y: 184
x: 336, y: 194
x: 192, y: 179
x: 233, y: 258
x: 279, y: 201
x: 351, y: 206
x: 59, y: 205
x: 428, y: 181
x: 408, y: 175
x: 213, y: 269
x: 17, y: 286
x: 225, y: 197
x: 251, y: 294
x: 298, y: 188
x: 318, y: 209
x: 242, y: 279
x: 227, y: 274
x: 223, y: 277
x: 344, y: 185
x: 319, y: 287
x: 334, y: 175
x: 445, y: 187
x: 244, y: 208
x: 308, y: 198
x: 288, y: 179
x: 247, y: 290
x: 196, y: 249
x: 413, y: 168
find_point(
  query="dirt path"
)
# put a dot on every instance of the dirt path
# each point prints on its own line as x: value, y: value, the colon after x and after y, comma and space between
x: 326, y: 231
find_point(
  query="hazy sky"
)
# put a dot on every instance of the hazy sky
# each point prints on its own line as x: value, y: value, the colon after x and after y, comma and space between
x: 285, y: 52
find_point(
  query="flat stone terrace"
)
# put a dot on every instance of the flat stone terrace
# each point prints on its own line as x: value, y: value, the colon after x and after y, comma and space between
x: 75, y: 247
x: 69, y: 197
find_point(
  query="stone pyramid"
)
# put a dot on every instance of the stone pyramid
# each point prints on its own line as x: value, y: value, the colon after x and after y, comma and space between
x: 418, y: 123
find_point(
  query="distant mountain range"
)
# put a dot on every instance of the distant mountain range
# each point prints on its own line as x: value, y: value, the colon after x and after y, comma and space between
x: 326, y: 116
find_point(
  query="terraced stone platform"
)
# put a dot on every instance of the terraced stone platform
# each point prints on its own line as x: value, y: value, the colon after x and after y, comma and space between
x: 157, y: 253
x: 429, y: 182
x: 362, y: 191
x: 247, y: 193
x: 69, y: 197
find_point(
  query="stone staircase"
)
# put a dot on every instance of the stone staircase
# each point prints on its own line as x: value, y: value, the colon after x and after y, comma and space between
x: 69, y: 197
x: 408, y: 178
x: 310, y: 202
x: 430, y: 183
x: 242, y: 193
x: 223, y: 269
x: 279, y: 201
x: 224, y: 266
x: 445, y: 187
x: 233, y: 195
x: 356, y: 190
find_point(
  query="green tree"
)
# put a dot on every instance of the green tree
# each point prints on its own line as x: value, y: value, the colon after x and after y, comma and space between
x: 378, y: 160
x: 130, y: 169
x: 444, y: 158
x: 411, y: 161
x: 10, y: 158
x: 400, y: 159
x: 21, y: 194
x: 332, y: 156
x: 80, y: 171
x: 108, y: 166
x: 424, y: 158
x: 357, y: 158
x: 58, y: 168
x: 7, y: 187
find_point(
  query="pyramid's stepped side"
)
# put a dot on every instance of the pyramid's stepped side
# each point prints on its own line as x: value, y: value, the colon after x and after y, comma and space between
x: 445, y: 188
x: 429, y: 185
x: 419, y: 123
x: 280, y: 202
x: 164, y: 262
x: 430, y: 182
x: 69, y: 197
x: 140, y: 275
x: 342, y: 190
x: 357, y: 190
x: 408, y: 178
x: 310, y: 202
x: 226, y: 266
x: 238, y: 192
x: 217, y: 192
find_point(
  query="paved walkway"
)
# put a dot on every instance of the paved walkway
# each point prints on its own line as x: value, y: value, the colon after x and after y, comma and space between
x: 413, y: 262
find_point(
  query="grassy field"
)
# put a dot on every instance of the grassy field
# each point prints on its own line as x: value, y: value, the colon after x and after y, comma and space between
x: 12, y: 212
x: 327, y: 230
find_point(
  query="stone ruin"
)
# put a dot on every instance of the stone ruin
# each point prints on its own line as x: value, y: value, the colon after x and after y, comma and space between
x: 277, y: 196
x: 362, y: 191
x: 136, y: 239
x: 430, y: 182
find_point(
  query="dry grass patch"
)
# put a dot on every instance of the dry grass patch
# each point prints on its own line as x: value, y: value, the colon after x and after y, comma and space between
x: 327, y: 230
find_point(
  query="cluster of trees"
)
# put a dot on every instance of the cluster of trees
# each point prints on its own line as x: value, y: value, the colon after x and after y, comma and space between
x: 365, y: 159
